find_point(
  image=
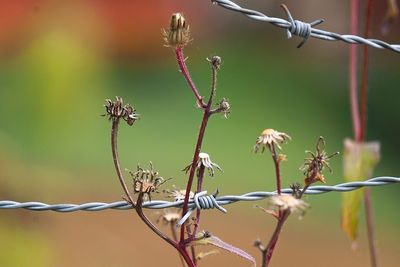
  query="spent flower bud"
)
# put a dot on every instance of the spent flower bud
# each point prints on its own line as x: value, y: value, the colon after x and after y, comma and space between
x: 178, y: 34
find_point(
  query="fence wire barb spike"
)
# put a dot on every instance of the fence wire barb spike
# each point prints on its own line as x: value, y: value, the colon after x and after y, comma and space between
x: 303, y: 29
x: 203, y: 201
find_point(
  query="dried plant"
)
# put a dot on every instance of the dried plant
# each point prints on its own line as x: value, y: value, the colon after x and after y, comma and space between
x: 146, y: 182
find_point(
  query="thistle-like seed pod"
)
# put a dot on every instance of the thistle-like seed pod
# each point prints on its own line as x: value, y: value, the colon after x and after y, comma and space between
x: 178, y: 34
x: 116, y: 110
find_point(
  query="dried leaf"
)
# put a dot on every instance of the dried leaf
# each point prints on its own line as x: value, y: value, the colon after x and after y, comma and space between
x: 359, y: 161
x: 202, y: 255
x: 270, y: 212
x: 208, y: 239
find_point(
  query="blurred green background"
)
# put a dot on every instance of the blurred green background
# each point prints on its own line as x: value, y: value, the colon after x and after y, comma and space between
x: 59, y: 60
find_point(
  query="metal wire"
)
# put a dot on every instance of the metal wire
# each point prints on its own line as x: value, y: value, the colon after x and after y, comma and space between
x: 220, y: 201
x: 305, y: 30
x: 202, y: 201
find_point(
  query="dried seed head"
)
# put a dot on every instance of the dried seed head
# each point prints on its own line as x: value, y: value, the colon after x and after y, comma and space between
x: 316, y: 163
x: 146, y: 181
x: 215, y: 62
x: 296, y: 190
x: 204, y: 161
x: 224, y: 107
x: 269, y: 138
x: 116, y: 110
x: 169, y: 216
x: 179, y: 195
x: 178, y: 34
x: 288, y: 202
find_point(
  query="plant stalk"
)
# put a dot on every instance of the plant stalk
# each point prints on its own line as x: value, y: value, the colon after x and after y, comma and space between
x: 277, y: 168
x: 114, y: 148
x: 363, y: 111
x: 142, y: 216
x: 369, y: 217
x: 269, y: 250
x: 198, y: 190
x: 184, y: 70
x: 355, y: 113
x: 206, y: 115
x: 175, y: 237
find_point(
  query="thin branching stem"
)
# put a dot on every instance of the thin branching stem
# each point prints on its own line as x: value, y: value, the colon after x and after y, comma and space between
x: 269, y: 249
x: 206, y: 115
x: 139, y: 202
x: 277, y: 167
x: 184, y: 70
x: 198, y: 190
x: 175, y: 237
x: 114, y: 148
x: 303, y: 191
x: 142, y: 216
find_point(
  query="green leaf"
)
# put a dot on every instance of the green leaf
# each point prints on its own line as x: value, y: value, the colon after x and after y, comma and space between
x: 359, y: 161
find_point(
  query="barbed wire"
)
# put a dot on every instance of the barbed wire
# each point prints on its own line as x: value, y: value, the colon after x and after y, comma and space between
x: 202, y: 204
x: 304, y: 29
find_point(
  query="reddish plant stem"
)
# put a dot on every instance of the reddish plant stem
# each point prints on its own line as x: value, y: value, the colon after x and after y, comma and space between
x: 206, y: 116
x: 198, y: 211
x: 175, y: 237
x: 355, y: 4
x: 370, y: 228
x: 142, y: 216
x: 277, y: 168
x: 184, y: 70
x: 139, y: 202
x: 367, y: 193
x: 114, y: 148
x: 269, y: 250
x: 364, y: 73
x: 198, y: 190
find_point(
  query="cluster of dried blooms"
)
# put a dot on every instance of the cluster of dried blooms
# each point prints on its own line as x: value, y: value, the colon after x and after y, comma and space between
x: 147, y: 181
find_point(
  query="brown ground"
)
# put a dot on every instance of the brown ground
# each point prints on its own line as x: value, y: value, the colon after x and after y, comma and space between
x: 118, y: 238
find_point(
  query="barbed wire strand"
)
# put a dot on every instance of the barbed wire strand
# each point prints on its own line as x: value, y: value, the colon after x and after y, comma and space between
x: 304, y: 29
x: 220, y: 201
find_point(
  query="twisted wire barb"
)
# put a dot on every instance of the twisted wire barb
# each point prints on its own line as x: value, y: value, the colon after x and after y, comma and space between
x: 220, y: 201
x: 304, y: 29
x: 202, y: 201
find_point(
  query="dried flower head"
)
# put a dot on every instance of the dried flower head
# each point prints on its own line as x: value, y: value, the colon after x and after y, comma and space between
x: 116, y: 110
x: 224, y: 107
x: 315, y: 164
x: 288, y: 202
x: 179, y: 195
x: 269, y: 138
x: 215, y: 61
x: 178, y: 34
x: 204, y: 161
x: 169, y: 216
x: 146, y: 181
x: 296, y: 190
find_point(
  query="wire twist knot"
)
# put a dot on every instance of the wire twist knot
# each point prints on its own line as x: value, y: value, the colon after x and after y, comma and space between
x: 203, y: 201
x: 299, y: 28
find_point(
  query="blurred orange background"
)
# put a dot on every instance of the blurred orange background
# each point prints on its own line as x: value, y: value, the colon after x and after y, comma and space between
x: 59, y: 60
